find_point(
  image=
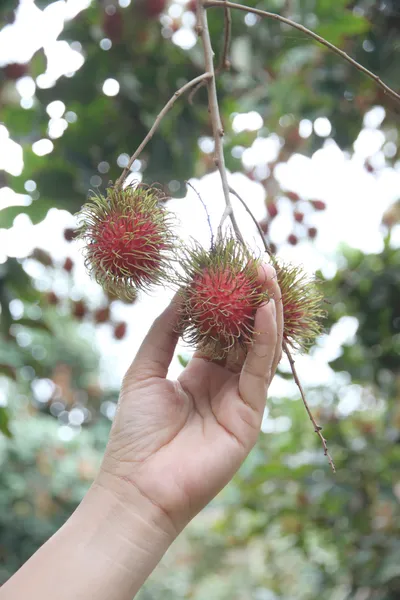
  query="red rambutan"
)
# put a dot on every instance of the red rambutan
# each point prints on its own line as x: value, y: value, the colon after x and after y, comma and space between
x: 302, y: 306
x: 318, y: 204
x: 128, y: 239
x: 69, y: 234
x: 79, y: 309
x: 68, y: 264
x: 120, y: 330
x: 102, y: 315
x: 221, y: 294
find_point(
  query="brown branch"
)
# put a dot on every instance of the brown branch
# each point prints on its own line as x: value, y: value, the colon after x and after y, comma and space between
x: 225, y: 62
x: 285, y: 347
x: 157, y: 122
x: 317, y: 428
x: 266, y: 244
x: 215, y: 116
x: 263, y: 13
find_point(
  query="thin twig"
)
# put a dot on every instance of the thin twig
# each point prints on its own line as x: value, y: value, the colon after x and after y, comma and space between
x: 317, y: 428
x: 194, y: 91
x: 315, y: 36
x: 206, y: 211
x: 225, y: 62
x: 266, y: 244
x: 285, y: 347
x: 157, y: 122
x: 216, y: 122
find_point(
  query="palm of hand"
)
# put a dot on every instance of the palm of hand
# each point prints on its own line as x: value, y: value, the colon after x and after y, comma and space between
x: 180, y: 442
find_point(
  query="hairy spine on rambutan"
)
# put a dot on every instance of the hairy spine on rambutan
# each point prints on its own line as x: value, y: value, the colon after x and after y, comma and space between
x: 128, y: 239
x: 302, y: 305
x: 220, y: 291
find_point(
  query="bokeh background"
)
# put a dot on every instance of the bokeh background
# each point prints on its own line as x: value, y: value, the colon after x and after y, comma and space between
x: 313, y: 146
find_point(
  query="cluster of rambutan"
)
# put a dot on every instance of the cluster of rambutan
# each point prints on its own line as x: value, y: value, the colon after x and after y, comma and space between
x: 129, y: 245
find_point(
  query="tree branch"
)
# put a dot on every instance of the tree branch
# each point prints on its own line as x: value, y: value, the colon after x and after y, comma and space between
x: 157, y: 122
x: 215, y: 116
x: 317, y: 428
x: 262, y: 13
x: 266, y: 244
x: 225, y: 62
x: 285, y: 347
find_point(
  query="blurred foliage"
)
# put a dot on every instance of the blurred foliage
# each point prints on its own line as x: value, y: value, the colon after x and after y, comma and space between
x: 286, y: 527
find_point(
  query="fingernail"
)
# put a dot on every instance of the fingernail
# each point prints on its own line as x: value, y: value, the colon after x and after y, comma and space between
x: 273, y: 307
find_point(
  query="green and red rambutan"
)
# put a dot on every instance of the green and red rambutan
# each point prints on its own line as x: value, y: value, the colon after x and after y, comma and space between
x: 128, y: 239
x: 221, y: 291
x: 302, y: 305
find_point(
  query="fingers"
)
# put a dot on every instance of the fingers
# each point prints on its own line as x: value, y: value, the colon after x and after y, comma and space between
x: 272, y: 287
x: 258, y: 367
x: 157, y: 349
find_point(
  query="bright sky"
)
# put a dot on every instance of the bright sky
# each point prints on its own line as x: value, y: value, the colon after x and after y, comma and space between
x: 355, y: 198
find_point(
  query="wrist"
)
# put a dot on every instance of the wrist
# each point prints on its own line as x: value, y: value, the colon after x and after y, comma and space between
x: 133, y: 507
x: 127, y: 540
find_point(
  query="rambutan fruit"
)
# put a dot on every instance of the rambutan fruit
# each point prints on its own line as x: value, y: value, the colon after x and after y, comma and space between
x: 102, y: 315
x: 120, y: 330
x: 68, y: 264
x: 302, y: 305
x: 128, y: 239
x: 221, y: 292
x: 79, y: 309
x: 69, y: 234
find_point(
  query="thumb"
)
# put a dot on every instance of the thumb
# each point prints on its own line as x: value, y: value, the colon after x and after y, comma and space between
x: 157, y: 349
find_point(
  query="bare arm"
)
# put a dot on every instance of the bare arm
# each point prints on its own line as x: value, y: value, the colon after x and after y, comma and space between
x: 173, y: 446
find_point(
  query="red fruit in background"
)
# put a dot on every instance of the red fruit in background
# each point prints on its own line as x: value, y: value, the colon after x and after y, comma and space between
x: 14, y: 71
x: 293, y: 196
x: 272, y: 209
x: 153, y: 8
x: 192, y: 5
x: 68, y: 265
x: 79, y: 309
x: 120, y: 330
x: 318, y: 204
x: 264, y: 226
x: 42, y: 256
x: 70, y: 234
x: 298, y: 216
x: 312, y: 232
x: 52, y: 298
x: 292, y: 239
x: 102, y: 315
x: 369, y: 167
x: 176, y: 25
x: 113, y: 26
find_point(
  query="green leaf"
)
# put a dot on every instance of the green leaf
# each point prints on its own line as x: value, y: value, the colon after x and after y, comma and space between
x: 8, y: 371
x: 4, y: 422
x: 184, y: 360
x: 34, y: 324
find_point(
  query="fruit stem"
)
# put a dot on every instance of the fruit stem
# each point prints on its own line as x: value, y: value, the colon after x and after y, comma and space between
x: 215, y: 116
x: 266, y: 245
x: 206, y: 211
x: 161, y: 115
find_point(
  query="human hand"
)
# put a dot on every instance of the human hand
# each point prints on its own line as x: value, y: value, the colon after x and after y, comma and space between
x: 178, y: 443
x: 173, y: 446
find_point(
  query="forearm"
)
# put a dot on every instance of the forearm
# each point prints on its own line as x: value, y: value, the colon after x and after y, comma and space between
x: 105, y: 550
